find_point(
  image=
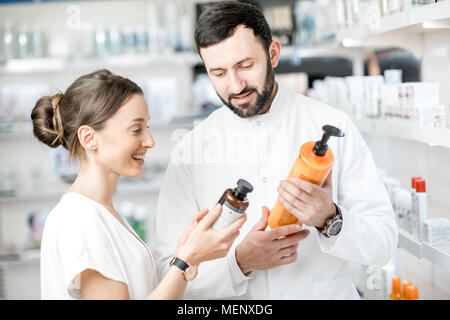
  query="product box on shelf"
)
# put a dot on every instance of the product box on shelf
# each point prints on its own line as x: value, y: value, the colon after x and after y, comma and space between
x: 436, y: 231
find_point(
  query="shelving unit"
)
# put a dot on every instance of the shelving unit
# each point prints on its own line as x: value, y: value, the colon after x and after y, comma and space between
x: 48, y: 65
x: 402, y: 29
x: 169, y: 59
x: 137, y: 189
x: 439, y: 255
x: 28, y: 257
x: 429, y: 135
x: 25, y: 129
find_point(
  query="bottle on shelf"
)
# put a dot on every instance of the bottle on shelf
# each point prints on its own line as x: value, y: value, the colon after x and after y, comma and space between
x: 420, y: 206
x: 396, y: 293
x: 405, y: 284
x: 412, y: 293
x: 413, y: 217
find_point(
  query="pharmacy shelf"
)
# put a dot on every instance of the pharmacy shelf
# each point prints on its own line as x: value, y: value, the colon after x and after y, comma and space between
x: 27, y: 257
x: 402, y: 29
x: 408, y: 243
x: 49, y: 65
x: 169, y: 60
x: 25, y: 129
x: 122, y: 190
x: 411, y: 18
x: 429, y: 135
x: 439, y: 255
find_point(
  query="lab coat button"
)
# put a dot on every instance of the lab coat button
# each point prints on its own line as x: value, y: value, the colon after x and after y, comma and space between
x: 264, y: 179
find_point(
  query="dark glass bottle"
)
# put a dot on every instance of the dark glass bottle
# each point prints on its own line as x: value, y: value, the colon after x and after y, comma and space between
x: 234, y: 203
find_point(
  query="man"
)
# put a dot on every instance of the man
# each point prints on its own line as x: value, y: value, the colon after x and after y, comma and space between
x: 256, y: 135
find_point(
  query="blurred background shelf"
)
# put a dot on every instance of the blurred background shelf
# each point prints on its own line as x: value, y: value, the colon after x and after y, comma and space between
x: 437, y: 254
x: 429, y: 135
x: 123, y: 189
x: 398, y: 29
x: 168, y: 60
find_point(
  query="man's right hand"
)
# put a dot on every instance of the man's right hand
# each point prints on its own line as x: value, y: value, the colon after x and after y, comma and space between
x: 263, y: 249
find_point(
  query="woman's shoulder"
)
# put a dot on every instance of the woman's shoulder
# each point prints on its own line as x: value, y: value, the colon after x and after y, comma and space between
x: 72, y: 211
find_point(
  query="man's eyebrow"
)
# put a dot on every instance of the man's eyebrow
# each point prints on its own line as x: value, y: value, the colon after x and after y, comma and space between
x: 237, y: 63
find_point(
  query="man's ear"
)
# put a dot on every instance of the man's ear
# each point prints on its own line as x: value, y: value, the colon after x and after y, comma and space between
x: 87, y: 138
x: 274, y: 52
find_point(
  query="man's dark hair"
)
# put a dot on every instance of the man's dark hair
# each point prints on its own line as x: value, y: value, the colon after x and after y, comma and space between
x: 220, y: 21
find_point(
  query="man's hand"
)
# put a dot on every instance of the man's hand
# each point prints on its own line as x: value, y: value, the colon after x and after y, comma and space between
x: 263, y: 249
x: 310, y: 203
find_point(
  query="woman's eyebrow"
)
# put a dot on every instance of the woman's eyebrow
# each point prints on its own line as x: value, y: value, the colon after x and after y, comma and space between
x: 140, y: 120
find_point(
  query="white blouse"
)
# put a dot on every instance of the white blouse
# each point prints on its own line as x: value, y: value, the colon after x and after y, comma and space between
x: 81, y: 234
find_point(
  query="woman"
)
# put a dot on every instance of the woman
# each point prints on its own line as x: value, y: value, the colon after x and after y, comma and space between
x: 88, y: 250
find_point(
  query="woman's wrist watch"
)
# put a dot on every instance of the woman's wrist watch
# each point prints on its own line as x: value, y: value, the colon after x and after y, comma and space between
x: 333, y: 225
x: 189, y: 271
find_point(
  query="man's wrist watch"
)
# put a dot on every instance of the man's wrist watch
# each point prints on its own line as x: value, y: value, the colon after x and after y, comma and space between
x: 333, y: 225
x: 189, y: 272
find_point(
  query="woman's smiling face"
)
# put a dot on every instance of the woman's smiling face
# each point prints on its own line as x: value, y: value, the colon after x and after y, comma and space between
x: 123, y: 141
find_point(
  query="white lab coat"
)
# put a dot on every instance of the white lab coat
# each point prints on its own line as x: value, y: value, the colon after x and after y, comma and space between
x: 262, y: 149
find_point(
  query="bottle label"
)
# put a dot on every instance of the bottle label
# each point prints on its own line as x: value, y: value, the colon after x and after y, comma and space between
x: 227, y: 216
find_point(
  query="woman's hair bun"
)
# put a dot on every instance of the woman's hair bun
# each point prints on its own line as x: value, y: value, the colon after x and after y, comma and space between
x: 47, y: 126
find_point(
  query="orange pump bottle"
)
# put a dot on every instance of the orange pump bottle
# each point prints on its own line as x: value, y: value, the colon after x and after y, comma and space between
x: 412, y: 293
x: 396, y: 294
x: 405, y: 284
x: 313, y: 164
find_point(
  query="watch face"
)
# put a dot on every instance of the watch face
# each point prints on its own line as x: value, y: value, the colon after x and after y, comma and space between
x: 335, y: 228
x: 190, y: 273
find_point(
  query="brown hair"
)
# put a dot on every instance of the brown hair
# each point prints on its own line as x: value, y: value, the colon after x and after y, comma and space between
x: 90, y: 100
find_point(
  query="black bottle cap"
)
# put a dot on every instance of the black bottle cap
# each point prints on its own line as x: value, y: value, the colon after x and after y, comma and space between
x: 243, y: 187
x: 320, y: 148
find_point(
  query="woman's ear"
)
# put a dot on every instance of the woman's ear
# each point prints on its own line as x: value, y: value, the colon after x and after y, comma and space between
x: 274, y: 52
x: 87, y: 138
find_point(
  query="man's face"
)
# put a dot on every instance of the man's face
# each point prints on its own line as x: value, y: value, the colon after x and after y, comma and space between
x: 241, y: 72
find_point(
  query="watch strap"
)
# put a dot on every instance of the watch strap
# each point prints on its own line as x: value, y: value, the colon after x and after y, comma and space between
x: 179, y: 263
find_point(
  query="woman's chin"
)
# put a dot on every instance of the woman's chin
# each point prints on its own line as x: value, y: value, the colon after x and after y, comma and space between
x: 136, y: 173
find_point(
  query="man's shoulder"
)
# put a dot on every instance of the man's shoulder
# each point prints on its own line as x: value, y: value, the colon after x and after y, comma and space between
x: 311, y: 105
x: 213, y: 120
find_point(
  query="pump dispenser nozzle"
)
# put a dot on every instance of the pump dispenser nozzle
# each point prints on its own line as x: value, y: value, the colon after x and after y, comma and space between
x: 320, y: 148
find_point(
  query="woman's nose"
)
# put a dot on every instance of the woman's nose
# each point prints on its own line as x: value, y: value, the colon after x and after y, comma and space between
x: 148, y: 140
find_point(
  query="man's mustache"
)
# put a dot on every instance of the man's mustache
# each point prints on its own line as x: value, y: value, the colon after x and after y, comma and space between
x: 246, y: 90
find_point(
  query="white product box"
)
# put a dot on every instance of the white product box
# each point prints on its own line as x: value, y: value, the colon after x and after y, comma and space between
x: 429, y: 116
x: 436, y: 231
x: 372, y: 95
x: 393, y: 76
x: 355, y: 87
x: 421, y: 94
x: 390, y: 101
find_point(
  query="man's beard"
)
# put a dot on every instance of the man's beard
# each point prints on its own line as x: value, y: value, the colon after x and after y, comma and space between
x: 248, y: 110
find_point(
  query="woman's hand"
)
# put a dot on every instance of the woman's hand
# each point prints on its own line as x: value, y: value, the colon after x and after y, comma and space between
x: 200, y: 243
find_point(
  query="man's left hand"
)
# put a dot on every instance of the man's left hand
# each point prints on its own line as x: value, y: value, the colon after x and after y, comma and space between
x: 310, y: 203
